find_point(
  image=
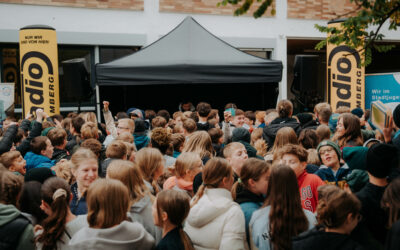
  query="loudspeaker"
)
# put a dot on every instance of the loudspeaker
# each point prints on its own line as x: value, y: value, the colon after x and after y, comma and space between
x: 306, y: 70
x: 76, y: 81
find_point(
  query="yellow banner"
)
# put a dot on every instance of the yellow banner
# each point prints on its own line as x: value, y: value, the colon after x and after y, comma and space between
x: 39, y: 69
x: 346, y: 76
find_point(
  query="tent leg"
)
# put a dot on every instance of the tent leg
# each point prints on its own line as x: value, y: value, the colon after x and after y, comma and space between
x: 98, y: 107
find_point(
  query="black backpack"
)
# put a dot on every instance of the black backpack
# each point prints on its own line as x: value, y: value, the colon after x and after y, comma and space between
x: 11, y: 232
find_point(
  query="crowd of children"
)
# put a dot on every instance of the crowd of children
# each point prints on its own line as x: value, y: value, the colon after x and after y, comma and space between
x: 253, y: 180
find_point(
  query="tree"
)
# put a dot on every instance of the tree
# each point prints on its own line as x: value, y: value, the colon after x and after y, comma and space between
x: 368, y: 14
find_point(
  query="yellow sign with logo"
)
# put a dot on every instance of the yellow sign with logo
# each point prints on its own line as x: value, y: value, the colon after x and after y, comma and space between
x: 346, y: 76
x: 39, y: 69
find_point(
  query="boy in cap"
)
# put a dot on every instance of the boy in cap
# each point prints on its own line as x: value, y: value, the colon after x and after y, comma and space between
x: 381, y: 160
x: 330, y: 171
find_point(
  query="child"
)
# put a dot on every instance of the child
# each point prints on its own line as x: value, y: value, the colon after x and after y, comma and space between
x: 58, y: 138
x: 249, y: 191
x: 217, y: 136
x: 215, y: 221
x: 282, y: 217
x: 115, y: 150
x: 236, y: 155
x: 169, y: 211
x: 108, y: 204
x: 234, y: 118
x: 338, y: 214
x: 296, y: 157
x: 140, y: 197
x: 61, y: 224
x: 331, y: 172
x: 151, y: 164
x: 40, y: 154
x: 14, y: 162
x: 178, y: 141
x: 187, y: 166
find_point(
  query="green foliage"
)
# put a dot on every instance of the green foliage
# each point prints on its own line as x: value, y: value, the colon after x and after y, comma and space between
x: 368, y: 14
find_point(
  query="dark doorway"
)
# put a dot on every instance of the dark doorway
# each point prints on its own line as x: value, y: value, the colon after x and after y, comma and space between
x: 156, y: 97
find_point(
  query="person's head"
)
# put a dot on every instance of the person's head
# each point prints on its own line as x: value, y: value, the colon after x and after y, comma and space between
x: 130, y: 151
x: 238, y: 119
x: 236, y: 154
x: 391, y: 201
x: 135, y: 113
x: 241, y: 135
x: 381, y: 159
x: 217, y: 173
x: 287, y: 218
x: 213, y: 115
x: 348, y: 128
x: 151, y: 164
x: 158, y: 122
x: 30, y: 200
x: 285, y: 135
x: 164, y: 113
x: 254, y: 177
x: 126, y: 137
x: 121, y: 115
x: 260, y: 117
x: 76, y: 125
x: 129, y: 174
x: 294, y: 156
x: 189, y: 126
x: 89, y: 130
x: 249, y: 118
x: 313, y: 157
x: 13, y: 161
x: 41, y: 145
x: 199, y: 142
x: 66, y: 123
x: 323, y: 112
x: 188, y: 165
x: 256, y: 135
x: 269, y: 117
x: 84, y: 168
x: 108, y: 203
x: 329, y: 153
x: 172, y: 207
x: 125, y: 125
x: 216, y: 135
x: 308, y: 138
x: 58, y: 137
x: 284, y: 108
x: 338, y: 209
x: 94, y: 145
x: 342, y: 110
x: 55, y: 196
x: 63, y: 170
x: 178, y: 141
x: 323, y: 132
x: 116, y: 150
x: 89, y: 117
x: 161, y: 139
x: 203, y: 109
x: 10, y: 188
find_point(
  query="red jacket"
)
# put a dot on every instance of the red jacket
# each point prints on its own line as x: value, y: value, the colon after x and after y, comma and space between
x: 308, y: 185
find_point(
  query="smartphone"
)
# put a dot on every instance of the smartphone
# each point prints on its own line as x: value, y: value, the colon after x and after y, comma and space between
x: 232, y: 110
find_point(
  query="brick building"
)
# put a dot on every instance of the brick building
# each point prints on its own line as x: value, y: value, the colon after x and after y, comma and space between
x: 103, y: 30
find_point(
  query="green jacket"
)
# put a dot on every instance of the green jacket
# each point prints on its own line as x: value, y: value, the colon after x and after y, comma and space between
x: 9, y: 213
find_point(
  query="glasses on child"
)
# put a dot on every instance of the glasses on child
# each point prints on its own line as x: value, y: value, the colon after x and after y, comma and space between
x: 328, y: 150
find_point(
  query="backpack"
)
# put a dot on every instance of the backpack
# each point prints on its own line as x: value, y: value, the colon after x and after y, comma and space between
x: 11, y: 232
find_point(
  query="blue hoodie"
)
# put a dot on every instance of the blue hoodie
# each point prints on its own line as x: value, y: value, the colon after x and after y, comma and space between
x: 141, y: 141
x: 37, y: 161
x: 326, y: 174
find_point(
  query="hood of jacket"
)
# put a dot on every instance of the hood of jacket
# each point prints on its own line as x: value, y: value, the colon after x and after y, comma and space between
x: 204, y: 126
x: 8, y: 213
x: 244, y: 195
x: 213, y: 203
x: 138, y: 206
x: 33, y: 160
x: 141, y: 140
x: 126, y: 235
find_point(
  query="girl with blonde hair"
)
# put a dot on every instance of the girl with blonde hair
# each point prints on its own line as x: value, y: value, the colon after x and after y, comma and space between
x: 140, y: 198
x: 85, y: 170
x: 215, y: 221
x: 151, y: 164
x: 169, y: 211
x: 187, y: 166
x: 285, y: 135
x: 200, y: 142
x: 108, y: 203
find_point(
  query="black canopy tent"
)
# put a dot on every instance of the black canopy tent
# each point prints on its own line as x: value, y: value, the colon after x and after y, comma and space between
x: 184, y: 60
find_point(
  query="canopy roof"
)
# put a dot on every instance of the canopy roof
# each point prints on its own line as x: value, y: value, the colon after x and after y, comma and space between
x: 189, y: 54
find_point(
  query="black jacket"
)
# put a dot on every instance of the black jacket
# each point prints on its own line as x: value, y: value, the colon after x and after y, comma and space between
x: 269, y: 132
x: 317, y: 238
x: 393, y: 237
x: 59, y: 154
x: 204, y: 126
x: 8, y: 138
x: 36, y: 130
